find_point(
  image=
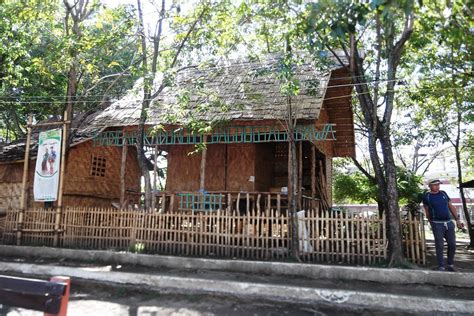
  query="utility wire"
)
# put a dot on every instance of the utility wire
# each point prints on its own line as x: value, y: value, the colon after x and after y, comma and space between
x: 243, y: 96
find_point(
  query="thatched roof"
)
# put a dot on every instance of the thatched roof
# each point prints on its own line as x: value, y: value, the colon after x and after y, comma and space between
x: 229, y: 90
x: 16, y: 149
x: 244, y: 90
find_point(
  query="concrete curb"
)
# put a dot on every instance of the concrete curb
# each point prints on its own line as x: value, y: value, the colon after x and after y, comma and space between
x: 316, y: 271
x: 254, y: 290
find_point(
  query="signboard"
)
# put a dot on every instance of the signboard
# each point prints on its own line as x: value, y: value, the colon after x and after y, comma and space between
x: 46, y: 181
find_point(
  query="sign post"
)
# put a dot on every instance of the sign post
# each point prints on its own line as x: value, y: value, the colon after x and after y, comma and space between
x: 24, y: 183
x: 61, y: 182
x: 49, y: 171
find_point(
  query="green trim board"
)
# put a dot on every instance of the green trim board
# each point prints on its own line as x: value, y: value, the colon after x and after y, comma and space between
x: 227, y: 135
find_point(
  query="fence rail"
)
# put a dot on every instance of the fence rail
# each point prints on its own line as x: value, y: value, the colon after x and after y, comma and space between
x: 323, y: 236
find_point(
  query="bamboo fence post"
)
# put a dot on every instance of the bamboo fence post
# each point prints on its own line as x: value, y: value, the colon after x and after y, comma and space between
x: 384, y: 235
x: 417, y: 240
x: 24, y: 183
x: 62, y: 167
x: 411, y: 240
x: 423, y: 241
x: 317, y: 235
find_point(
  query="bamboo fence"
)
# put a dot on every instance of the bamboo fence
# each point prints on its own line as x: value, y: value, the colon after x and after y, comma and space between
x: 323, y: 236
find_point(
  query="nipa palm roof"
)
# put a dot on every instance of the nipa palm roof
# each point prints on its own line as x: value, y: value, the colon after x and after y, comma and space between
x: 244, y: 90
x: 226, y: 91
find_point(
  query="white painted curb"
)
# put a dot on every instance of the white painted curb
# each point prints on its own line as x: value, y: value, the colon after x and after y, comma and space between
x: 252, y: 290
x: 316, y: 271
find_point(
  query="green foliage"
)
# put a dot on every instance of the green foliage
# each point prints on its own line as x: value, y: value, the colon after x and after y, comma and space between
x: 441, y: 52
x: 355, y: 187
x: 35, y: 57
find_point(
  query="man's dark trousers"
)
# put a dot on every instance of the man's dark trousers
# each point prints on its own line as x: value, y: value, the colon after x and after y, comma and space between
x: 443, y: 231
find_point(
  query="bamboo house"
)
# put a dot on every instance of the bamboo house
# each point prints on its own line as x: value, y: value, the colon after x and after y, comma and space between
x: 244, y: 165
x: 245, y: 161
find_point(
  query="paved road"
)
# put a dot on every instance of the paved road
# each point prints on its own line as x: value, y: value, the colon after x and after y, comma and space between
x: 102, y: 300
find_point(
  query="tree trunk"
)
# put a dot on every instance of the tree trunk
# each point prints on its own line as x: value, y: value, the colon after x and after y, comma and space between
x: 385, y: 176
x: 143, y: 164
x: 457, y: 151
x: 394, y: 236
x: 463, y: 198
x: 147, y: 86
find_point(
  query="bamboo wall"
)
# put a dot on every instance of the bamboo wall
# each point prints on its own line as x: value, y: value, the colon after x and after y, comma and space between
x: 10, y: 194
x: 228, y: 167
x: 324, y: 237
x: 231, y: 167
x: 81, y: 188
x: 82, y: 184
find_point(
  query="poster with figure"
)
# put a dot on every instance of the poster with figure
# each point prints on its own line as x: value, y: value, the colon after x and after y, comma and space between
x: 46, y: 180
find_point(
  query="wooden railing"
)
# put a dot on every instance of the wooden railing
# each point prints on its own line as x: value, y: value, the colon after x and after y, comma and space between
x: 257, y: 234
x: 242, y: 202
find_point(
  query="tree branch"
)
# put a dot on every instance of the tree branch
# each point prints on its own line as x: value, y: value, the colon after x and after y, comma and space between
x: 362, y: 169
x: 175, y: 58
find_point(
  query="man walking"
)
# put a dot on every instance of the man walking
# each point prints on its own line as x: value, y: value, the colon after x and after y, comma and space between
x: 438, y: 207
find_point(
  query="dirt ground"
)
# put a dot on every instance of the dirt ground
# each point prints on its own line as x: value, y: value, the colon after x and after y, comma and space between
x: 463, y: 259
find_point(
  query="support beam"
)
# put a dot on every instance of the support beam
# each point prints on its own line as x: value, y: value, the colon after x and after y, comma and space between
x: 123, y: 170
x: 300, y: 174
x: 313, y: 175
x: 202, y: 174
x: 24, y: 182
x: 155, y: 160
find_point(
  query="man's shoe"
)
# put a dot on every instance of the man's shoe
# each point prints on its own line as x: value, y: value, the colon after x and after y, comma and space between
x: 451, y: 268
x: 441, y: 269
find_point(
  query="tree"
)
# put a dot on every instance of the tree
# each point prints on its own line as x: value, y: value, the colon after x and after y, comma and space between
x: 357, y: 187
x: 446, y: 99
x: 34, y: 72
x: 22, y: 70
x: 379, y: 30
x: 152, y: 90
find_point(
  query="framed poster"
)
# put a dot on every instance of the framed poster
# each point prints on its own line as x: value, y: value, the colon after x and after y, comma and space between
x: 46, y: 181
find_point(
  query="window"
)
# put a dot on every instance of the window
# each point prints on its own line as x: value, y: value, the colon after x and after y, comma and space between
x: 98, y: 166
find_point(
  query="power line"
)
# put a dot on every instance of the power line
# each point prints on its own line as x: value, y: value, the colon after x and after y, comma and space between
x: 99, y: 97
x: 243, y: 95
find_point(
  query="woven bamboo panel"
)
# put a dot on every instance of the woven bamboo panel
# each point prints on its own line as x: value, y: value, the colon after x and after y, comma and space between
x: 10, y: 194
x: 323, y: 236
x: 83, y: 181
